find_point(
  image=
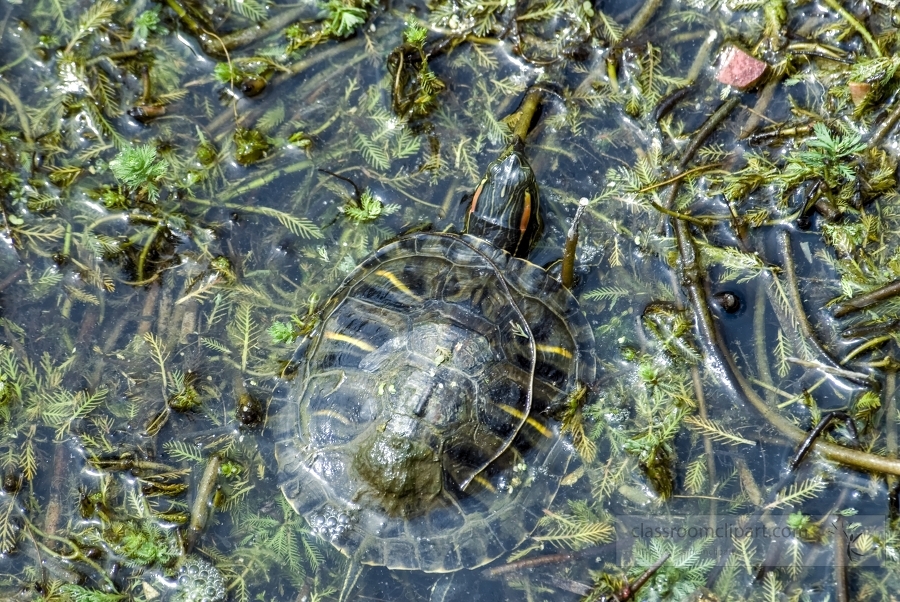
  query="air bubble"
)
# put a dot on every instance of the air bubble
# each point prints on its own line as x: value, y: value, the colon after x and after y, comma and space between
x: 199, y: 581
x: 332, y: 525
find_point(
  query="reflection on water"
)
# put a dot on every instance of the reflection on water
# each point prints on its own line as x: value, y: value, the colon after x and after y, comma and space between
x: 183, y: 184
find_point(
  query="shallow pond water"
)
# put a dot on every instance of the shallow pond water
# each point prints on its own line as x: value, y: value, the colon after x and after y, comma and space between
x: 183, y: 184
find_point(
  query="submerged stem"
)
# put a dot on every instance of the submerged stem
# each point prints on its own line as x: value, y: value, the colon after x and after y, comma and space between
x: 271, y: 25
x: 692, y: 278
x: 855, y: 24
x: 13, y: 99
x: 784, y: 241
x: 641, y: 19
x: 142, y: 258
x: 886, y: 126
x: 568, y: 263
x: 707, y: 129
x: 871, y: 298
x: 526, y: 113
x: 714, y: 350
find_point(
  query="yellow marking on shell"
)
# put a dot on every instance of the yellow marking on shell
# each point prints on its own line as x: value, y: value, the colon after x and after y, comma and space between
x: 554, y: 349
x: 336, y: 336
x: 485, y: 483
x: 396, y: 282
x: 332, y: 414
x: 531, y: 421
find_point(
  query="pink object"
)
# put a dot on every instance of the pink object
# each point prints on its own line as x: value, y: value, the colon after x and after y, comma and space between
x: 739, y: 69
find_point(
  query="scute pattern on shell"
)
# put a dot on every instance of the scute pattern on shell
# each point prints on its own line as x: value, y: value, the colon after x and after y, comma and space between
x: 427, y: 342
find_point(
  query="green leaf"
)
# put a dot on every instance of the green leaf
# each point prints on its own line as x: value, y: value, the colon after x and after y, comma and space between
x: 299, y: 226
x: 93, y: 18
x: 283, y: 332
x: 138, y: 167
x: 344, y: 18
x: 798, y: 492
x: 415, y: 34
x: 76, y: 593
x: 250, y: 9
x: 182, y: 452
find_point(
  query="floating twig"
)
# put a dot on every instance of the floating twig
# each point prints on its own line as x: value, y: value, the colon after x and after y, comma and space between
x: 871, y: 298
x: 356, y: 190
x: 866, y: 346
x: 13, y: 99
x: 826, y: 420
x: 680, y: 176
x: 12, y: 277
x: 867, y: 329
x: 631, y: 589
x: 886, y: 126
x: 274, y: 24
x: 859, y: 377
x: 530, y: 563
x: 668, y: 103
x: 757, y: 112
x: 200, y: 509
x: 706, y: 129
x: 568, y: 261
x: 842, y: 588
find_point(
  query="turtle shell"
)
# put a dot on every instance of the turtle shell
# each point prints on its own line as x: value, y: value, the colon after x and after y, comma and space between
x: 417, y: 431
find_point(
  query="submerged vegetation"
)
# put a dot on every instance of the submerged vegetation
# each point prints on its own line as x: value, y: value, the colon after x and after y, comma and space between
x: 182, y: 183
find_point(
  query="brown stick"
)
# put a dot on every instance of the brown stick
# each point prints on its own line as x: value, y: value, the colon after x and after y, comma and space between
x: 568, y: 262
x: 840, y: 562
x: 886, y: 126
x: 890, y: 413
x: 271, y: 25
x: 871, y: 298
x: 629, y: 590
x: 147, y: 311
x: 706, y: 129
x: 200, y: 509
x: 12, y: 278
x: 641, y: 19
x: 530, y: 563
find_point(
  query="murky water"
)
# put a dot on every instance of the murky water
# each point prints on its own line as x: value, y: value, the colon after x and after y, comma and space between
x: 174, y: 213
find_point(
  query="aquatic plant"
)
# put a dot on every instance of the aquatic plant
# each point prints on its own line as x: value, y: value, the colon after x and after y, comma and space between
x: 167, y: 238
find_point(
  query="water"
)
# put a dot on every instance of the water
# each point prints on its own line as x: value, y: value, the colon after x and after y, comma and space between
x: 148, y: 252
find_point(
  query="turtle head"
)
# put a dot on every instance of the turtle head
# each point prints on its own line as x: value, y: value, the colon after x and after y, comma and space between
x: 403, y: 474
x: 505, y: 209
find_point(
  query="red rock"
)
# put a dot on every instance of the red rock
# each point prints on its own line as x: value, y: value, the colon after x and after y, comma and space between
x: 859, y: 91
x: 739, y: 69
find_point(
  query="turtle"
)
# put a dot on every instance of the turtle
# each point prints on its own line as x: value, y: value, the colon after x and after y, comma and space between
x: 419, y: 429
